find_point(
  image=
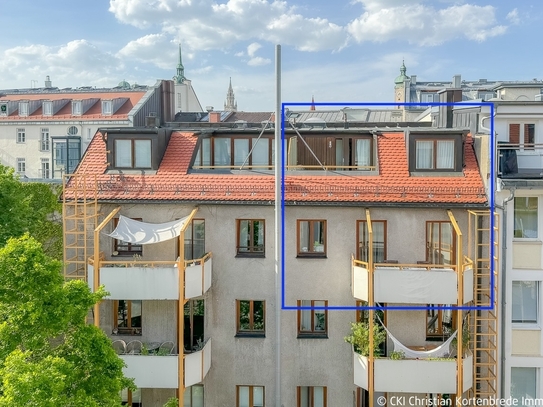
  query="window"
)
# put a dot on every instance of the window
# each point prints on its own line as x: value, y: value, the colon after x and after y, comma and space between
x: 123, y: 248
x: 379, y: 228
x: 435, y: 154
x: 132, y: 153
x: 250, y: 396
x: 21, y: 166
x: 23, y: 108
x: 72, y: 130
x: 44, y: 139
x: 45, y: 168
x: 312, y: 322
x: 194, y: 324
x: 251, y: 318
x: 311, y: 396
x: 440, y: 324
x: 250, y: 238
x: 378, y: 316
x: 440, y: 243
x: 526, y: 217
x: 47, y: 108
x: 234, y: 151
x: 107, y: 107
x: 131, y: 398
x: 362, y: 397
x: 428, y: 97
x: 21, y: 136
x: 127, y: 314
x: 76, y: 108
x: 524, y: 385
x: 525, y: 302
x: 193, y: 396
x: 195, y: 239
x: 522, y: 134
x: 312, y: 238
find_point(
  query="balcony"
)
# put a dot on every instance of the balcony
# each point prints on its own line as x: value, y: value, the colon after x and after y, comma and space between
x: 162, y: 372
x: 412, y: 283
x: 432, y: 376
x: 516, y: 161
x: 156, y: 280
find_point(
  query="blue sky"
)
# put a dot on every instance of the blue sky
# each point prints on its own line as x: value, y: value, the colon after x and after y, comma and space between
x: 338, y: 51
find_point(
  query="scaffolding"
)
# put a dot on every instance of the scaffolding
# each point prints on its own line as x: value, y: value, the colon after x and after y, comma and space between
x: 80, y: 213
x: 484, y: 322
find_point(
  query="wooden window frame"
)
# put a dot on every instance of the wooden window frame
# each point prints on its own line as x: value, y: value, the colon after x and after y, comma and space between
x: 199, y: 159
x: 311, y: 396
x: 132, y: 153
x: 190, y: 241
x: 126, y: 330
x: 453, y: 248
x: 251, y: 395
x: 311, y: 249
x: 252, y: 248
x: 434, y: 154
x: 441, y: 334
x: 312, y: 333
x: 251, y: 332
x: 523, y: 135
x: 119, y: 243
x: 362, y: 397
x: 361, y: 244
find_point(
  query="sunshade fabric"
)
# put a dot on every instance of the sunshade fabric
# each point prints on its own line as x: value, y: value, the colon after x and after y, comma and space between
x: 136, y: 232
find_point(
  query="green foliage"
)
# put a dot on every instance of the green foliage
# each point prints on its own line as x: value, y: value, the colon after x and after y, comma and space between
x: 397, y: 355
x: 48, y: 355
x: 360, y: 338
x: 173, y: 402
x: 466, y: 337
x: 30, y: 208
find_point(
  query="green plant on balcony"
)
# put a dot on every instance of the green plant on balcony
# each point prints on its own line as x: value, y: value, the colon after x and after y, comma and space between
x: 173, y: 402
x: 397, y: 355
x: 360, y: 338
x: 466, y: 337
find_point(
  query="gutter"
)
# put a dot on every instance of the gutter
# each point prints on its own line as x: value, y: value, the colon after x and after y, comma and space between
x: 503, y: 301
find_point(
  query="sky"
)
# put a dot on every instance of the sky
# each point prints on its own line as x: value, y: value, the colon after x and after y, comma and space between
x: 332, y: 50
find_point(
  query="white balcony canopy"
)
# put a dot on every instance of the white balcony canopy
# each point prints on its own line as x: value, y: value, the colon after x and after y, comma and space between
x: 136, y: 232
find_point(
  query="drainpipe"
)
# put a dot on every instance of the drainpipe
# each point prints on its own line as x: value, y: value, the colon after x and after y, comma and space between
x: 503, y: 289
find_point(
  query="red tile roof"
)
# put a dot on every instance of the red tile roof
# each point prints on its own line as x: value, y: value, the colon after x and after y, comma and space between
x: 394, y: 184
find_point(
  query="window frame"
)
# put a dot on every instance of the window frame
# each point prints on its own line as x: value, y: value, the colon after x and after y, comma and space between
x: 252, y: 248
x: 24, y: 108
x: 21, y: 165
x: 210, y: 156
x: 45, y: 139
x: 523, y: 128
x: 190, y: 241
x: 133, y: 153
x: 105, y: 105
x: 440, y: 334
x: 47, y: 108
x: 130, y: 246
x: 313, y: 332
x: 127, y: 330
x: 434, y: 155
x: 251, y: 395
x: 526, y: 323
x: 515, y: 222
x: 189, y: 390
x: 77, y: 108
x: 311, y: 252
x: 129, y: 396
x: 20, y: 135
x: 252, y: 332
x: 365, y: 242
x: 453, y: 247
x: 45, y: 168
x: 536, y: 379
x: 311, y: 398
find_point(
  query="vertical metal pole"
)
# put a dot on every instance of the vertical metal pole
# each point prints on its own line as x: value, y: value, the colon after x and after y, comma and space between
x: 278, y: 224
x: 181, y: 317
x: 371, y: 303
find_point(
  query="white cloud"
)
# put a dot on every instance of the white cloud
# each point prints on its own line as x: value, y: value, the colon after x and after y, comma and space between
x: 513, y: 17
x: 150, y: 48
x: 252, y: 48
x: 258, y: 61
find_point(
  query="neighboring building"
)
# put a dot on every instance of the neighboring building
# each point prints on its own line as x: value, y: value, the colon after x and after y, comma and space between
x: 185, y: 96
x: 44, y: 132
x: 230, y: 105
x: 419, y: 189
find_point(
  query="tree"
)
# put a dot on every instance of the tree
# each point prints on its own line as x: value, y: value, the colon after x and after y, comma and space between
x: 30, y: 207
x: 49, y: 356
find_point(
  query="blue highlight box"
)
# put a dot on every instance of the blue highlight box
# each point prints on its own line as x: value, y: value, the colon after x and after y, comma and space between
x: 491, y: 199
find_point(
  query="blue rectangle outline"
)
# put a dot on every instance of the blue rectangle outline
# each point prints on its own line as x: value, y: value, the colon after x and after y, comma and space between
x: 491, y: 204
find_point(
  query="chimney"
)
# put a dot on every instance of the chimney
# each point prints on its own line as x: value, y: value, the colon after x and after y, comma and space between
x: 214, y: 117
x: 457, y: 81
x: 414, y: 79
x: 48, y: 83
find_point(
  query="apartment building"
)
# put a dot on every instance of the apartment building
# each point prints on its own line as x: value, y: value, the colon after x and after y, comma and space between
x: 44, y: 132
x: 182, y: 223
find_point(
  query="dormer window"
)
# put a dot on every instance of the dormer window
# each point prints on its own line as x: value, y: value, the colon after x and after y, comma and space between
x: 107, y: 107
x: 23, y: 108
x: 440, y: 153
x: 133, y: 153
x: 76, y: 108
x: 47, y: 108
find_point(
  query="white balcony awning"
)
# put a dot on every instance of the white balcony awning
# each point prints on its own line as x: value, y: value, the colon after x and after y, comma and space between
x: 136, y: 232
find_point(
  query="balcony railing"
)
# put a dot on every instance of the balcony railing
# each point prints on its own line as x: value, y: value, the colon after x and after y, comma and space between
x: 432, y: 376
x: 412, y: 283
x: 152, y: 280
x: 519, y: 161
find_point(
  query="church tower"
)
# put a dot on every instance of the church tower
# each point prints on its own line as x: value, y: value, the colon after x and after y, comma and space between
x: 185, y: 97
x: 230, y: 105
x: 180, y: 77
x: 399, y: 86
